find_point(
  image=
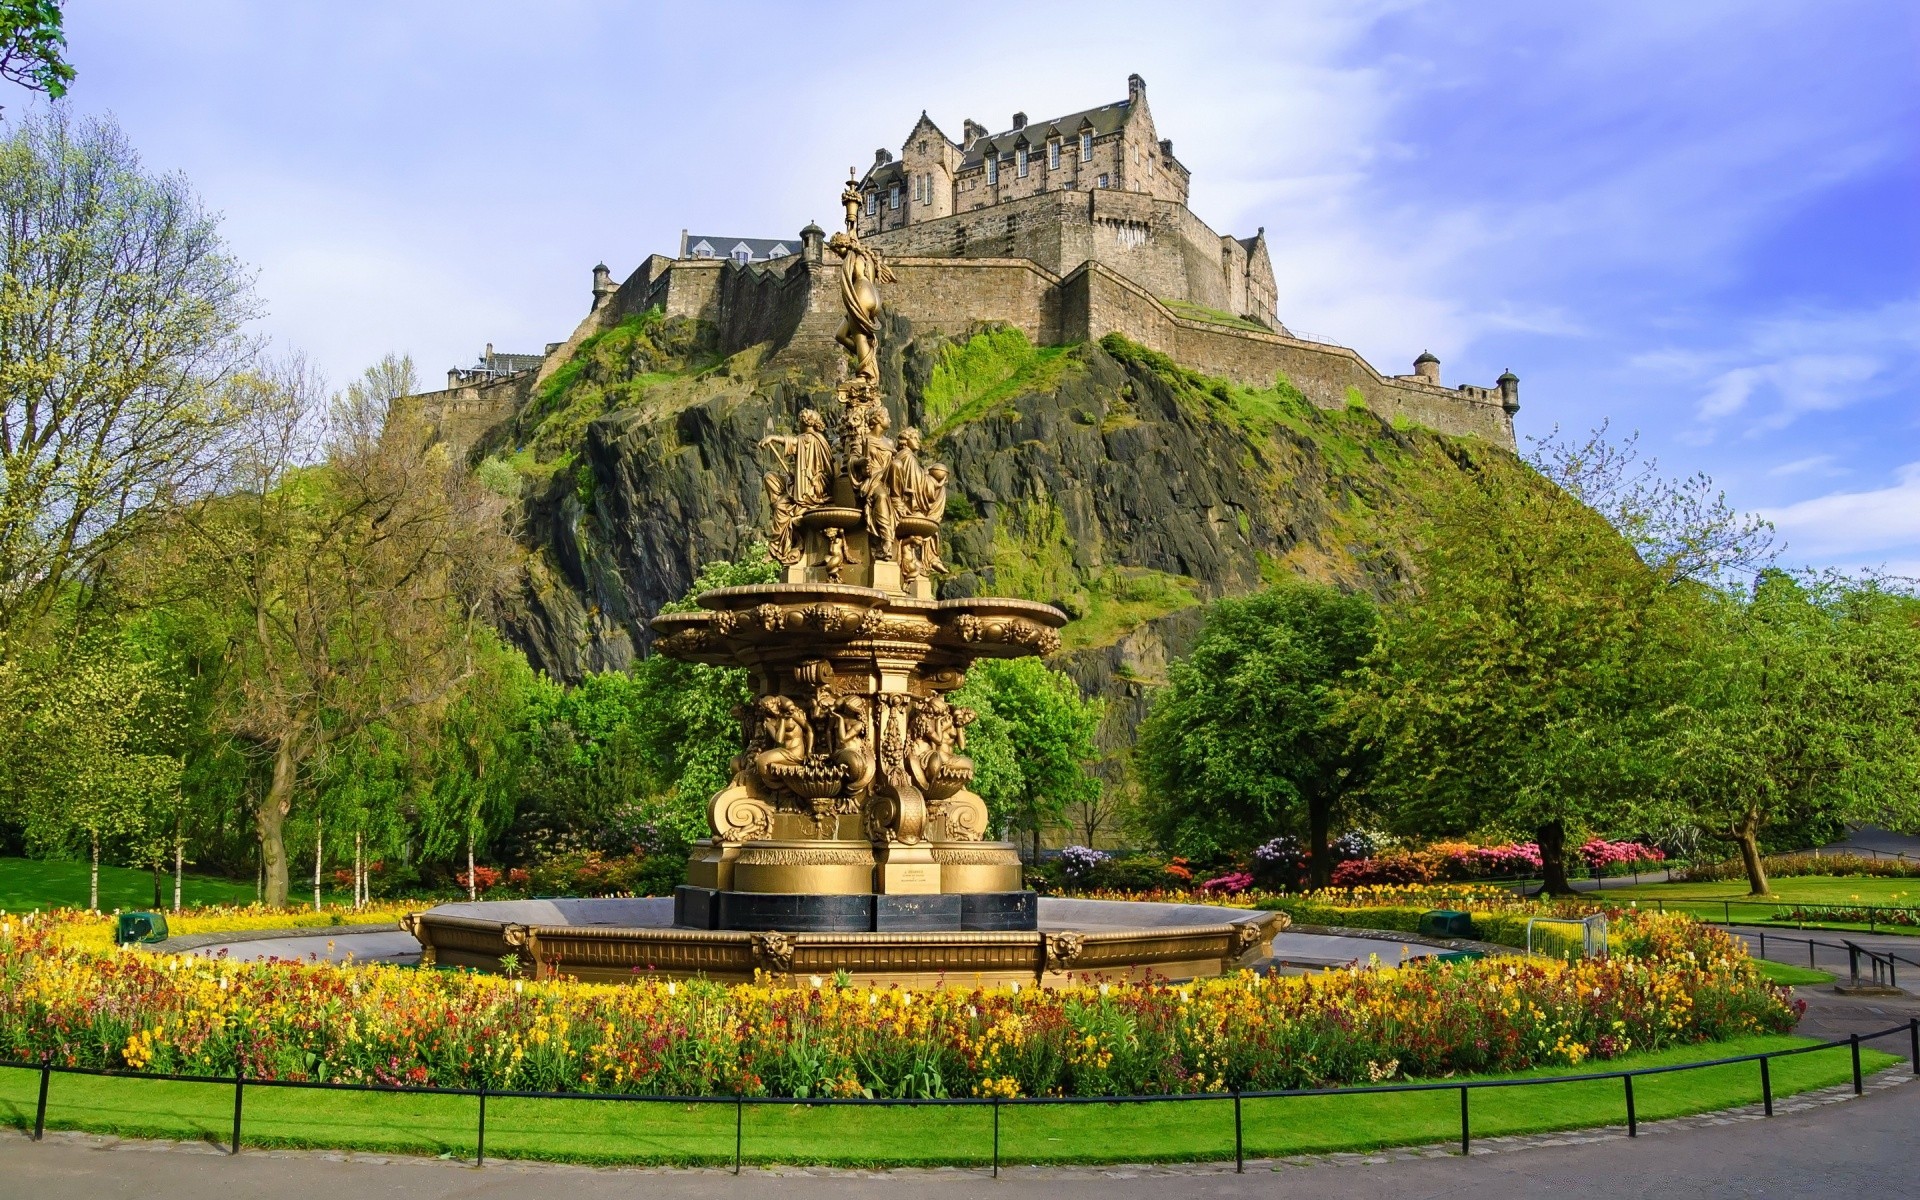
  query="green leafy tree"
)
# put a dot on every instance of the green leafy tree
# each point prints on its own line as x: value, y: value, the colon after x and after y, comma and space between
x: 1242, y: 743
x: 1518, y: 684
x: 121, y: 315
x: 1804, y: 701
x: 1031, y: 743
x: 31, y: 42
x: 478, y: 757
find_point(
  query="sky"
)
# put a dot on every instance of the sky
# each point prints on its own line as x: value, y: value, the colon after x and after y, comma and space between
x: 1699, y: 220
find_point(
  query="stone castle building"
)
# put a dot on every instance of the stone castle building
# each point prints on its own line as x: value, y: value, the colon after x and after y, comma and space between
x: 1068, y: 229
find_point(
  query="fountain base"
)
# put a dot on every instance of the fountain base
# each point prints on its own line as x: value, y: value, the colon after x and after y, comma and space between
x: 759, y: 912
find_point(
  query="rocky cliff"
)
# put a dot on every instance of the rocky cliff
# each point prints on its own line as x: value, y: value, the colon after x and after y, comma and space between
x: 1101, y: 477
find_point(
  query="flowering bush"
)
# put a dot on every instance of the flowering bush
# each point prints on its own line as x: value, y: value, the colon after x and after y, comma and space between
x: 1081, y: 861
x: 1599, y: 854
x: 1177, y: 868
x: 130, y: 1009
x: 1439, y: 862
x: 483, y: 878
x: 1230, y: 884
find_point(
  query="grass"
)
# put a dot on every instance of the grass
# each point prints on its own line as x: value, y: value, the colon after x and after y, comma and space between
x: 1791, y: 976
x: 975, y: 377
x: 1212, y: 316
x: 608, y: 1131
x: 1730, y: 899
x: 28, y: 884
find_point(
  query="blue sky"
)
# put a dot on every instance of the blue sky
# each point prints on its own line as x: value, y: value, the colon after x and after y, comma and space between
x: 1700, y: 220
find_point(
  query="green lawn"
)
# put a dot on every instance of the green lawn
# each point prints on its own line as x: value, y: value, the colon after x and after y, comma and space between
x: 1730, y: 900
x: 605, y: 1131
x: 1789, y: 974
x: 27, y: 884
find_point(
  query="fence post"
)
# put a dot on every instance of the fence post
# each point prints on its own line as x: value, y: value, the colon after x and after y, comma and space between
x: 996, y: 1137
x: 1766, y: 1086
x: 739, y: 1125
x: 1763, y: 943
x: 1872, y: 927
x: 1913, y: 1032
x: 1466, y: 1138
x: 46, y: 1074
x: 239, y: 1089
x: 1857, y: 1088
x: 1810, y: 962
x: 1239, y: 1152
x: 480, y: 1143
x: 1633, y: 1119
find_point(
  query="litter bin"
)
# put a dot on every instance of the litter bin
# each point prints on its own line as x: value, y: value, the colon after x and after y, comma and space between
x: 1445, y: 922
x: 139, y: 927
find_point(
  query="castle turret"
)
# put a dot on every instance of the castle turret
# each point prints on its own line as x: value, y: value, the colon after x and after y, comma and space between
x: 1509, y: 391
x: 813, y: 242
x: 603, y: 285
x: 1427, y: 367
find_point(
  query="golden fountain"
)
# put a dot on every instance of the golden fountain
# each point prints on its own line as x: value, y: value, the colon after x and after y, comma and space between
x: 849, y: 837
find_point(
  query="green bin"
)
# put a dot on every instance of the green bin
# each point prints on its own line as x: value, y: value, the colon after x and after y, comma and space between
x: 1444, y: 922
x: 139, y: 927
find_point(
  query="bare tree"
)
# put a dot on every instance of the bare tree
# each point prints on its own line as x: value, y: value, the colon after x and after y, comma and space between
x: 1683, y: 529
x: 121, y: 315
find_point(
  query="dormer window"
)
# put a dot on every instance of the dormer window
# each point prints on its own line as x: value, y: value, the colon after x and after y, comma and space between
x: 1020, y: 161
x: 1086, y: 145
x: 893, y: 196
x: 873, y: 202
x: 1053, y: 155
x: 742, y: 254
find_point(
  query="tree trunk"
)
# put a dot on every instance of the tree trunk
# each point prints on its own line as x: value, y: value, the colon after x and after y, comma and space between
x: 93, y: 885
x: 319, y: 841
x: 1747, y: 836
x: 272, y: 819
x: 359, y: 874
x: 473, y: 889
x: 1319, y: 822
x: 1552, y: 839
x: 179, y: 861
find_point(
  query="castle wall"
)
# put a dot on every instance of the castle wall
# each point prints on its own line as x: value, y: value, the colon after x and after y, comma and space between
x: 1096, y: 301
x: 459, y: 416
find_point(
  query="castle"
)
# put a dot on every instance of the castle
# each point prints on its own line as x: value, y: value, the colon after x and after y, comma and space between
x: 1068, y: 229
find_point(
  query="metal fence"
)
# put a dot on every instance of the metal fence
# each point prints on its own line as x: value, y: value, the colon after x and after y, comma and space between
x: 1465, y: 1088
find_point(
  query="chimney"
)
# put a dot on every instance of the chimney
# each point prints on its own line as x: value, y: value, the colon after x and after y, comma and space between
x: 882, y: 157
x: 1019, y: 120
x: 1166, y: 147
x: 1136, y: 89
x: 971, y: 131
x: 487, y: 358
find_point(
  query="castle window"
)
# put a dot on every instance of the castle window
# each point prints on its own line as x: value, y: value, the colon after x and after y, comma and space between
x: 1086, y: 145
x: 993, y: 169
x: 1053, y: 156
x: 893, y: 196
x: 873, y: 202
x: 1103, y: 182
x: 1020, y: 158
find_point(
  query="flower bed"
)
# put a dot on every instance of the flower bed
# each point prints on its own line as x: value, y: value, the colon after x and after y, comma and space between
x: 1784, y: 866
x: 1677, y: 983
x: 1464, y: 861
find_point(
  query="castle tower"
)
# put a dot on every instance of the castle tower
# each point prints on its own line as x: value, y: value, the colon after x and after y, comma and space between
x: 603, y: 286
x: 1509, y: 392
x: 1427, y: 367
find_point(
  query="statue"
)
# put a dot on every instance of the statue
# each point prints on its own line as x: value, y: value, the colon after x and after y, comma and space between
x: 853, y: 743
x: 812, y: 458
x: 784, y: 737
x: 869, y: 463
x: 781, y: 546
x: 850, y: 199
x: 918, y: 491
x: 933, y: 758
x: 861, y: 271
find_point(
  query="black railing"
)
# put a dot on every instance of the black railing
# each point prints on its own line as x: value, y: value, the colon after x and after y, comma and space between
x: 1465, y: 1088
x: 1879, y: 958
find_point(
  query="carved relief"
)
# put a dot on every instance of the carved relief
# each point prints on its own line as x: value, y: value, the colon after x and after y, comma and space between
x: 1063, y: 948
x: 1247, y: 935
x: 773, y: 952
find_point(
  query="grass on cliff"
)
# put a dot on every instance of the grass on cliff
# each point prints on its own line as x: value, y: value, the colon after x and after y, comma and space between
x: 1212, y: 316
x: 609, y: 1131
x: 1033, y: 559
x: 971, y: 379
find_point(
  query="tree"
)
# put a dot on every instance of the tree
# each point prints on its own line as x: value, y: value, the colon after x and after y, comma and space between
x: 31, y: 39
x: 354, y: 587
x: 1242, y: 745
x: 1031, y: 742
x: 120, y: 321
x: 1804, y: 699
x: 1683, y: 529
x: 1516, y: 685
x: 91, y: 767
x: 477, y: 758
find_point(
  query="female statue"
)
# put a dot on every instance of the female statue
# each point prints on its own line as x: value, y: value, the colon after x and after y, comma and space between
x: 861, y: 272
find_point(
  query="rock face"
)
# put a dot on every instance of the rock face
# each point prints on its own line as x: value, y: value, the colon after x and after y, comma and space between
x: 1101, y: 477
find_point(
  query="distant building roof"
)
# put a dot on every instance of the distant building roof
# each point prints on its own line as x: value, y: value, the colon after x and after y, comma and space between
x: 1103, y: 120
x: 739, y: 249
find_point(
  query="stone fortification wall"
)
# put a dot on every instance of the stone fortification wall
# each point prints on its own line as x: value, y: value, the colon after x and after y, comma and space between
x: 458, y: 416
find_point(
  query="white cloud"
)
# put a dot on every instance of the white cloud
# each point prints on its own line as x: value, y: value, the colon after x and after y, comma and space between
x: 1854, y: 526
x: 1822, y: 464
